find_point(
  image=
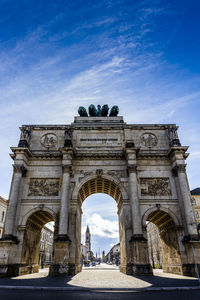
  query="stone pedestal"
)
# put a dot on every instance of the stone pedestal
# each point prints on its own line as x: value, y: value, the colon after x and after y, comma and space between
x: 60, y: 266
x: 141, y: 265
x: 7, y: 267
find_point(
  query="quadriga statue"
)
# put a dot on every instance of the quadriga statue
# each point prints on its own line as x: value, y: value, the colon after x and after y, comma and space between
x: 104, y: 110
x: 82, y: 111
x: 92, y: 111
x: 114, y: 111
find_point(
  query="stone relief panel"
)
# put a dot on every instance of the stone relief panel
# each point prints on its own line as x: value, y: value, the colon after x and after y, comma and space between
x: 155, y: 186
x: 148, y: 140
x: 44, y: 187
x: 49, y: 140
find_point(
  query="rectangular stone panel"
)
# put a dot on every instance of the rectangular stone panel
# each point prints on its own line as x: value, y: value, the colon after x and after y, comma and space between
x: 44, y: 187
x: 155, y: 186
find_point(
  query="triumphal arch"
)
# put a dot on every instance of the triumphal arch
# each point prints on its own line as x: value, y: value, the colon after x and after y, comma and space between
x: 56, y: 167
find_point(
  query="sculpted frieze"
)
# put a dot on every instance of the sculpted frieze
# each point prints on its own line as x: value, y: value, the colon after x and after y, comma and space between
x: 155, y: 186
x: 44, y: 187
x: 118, y: 174
x: 148, y: 140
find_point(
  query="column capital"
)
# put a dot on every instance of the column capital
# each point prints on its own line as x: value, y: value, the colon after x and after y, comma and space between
x: 67, y: 169
x: 19, y: 168
x: 131, y: 168
x: 178, y: 169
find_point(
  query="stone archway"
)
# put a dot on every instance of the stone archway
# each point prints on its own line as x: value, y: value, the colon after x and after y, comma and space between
x: 101, y: 184
x: 31, y: 240
x: 57, y: 166
x: 168, y: 233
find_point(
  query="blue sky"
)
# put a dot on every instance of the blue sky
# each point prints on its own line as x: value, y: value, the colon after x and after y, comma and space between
x: 140, y: 55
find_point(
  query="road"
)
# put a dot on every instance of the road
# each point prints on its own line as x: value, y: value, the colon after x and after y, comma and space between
x: 76, y: 295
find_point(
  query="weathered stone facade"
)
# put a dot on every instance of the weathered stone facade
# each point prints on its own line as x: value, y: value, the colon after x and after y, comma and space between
x: 56, y: 167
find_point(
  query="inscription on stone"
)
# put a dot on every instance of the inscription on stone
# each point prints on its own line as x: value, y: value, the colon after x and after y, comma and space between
x: 103, y: 141
x: 49, y: 140
x: 44, y: 187
x: 155, y: 186
x: 148, y: 140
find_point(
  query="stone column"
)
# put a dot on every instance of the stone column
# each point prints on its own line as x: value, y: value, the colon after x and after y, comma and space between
x: 133, y: 194
x: 19, y: 171
x: 140, y: 257
x: 60, y: 260
x: 64, y: 207
x: 179, y: 170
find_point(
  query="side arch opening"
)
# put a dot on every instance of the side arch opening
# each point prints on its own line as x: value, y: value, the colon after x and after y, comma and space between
x: 37, y: 242
x: 163, y: 242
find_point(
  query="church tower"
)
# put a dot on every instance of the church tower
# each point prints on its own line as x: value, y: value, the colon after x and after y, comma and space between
x: 87, y: 239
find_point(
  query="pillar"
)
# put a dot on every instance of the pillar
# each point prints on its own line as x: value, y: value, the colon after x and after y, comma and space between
x: 140, y: 257
x: 186, y: 201
x: 18, y: 172
x: 64, y: 207
x: 60, y: 260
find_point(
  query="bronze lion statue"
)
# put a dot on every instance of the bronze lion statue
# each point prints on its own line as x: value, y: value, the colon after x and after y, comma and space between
x: 114, y: 111
x: 82, y: 112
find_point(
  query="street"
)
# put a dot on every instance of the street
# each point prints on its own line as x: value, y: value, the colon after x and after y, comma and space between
x: 92, y: 295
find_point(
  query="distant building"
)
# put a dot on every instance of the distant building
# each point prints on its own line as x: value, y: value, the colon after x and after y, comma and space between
x: 195, y: 199
x: 46, y: 246
x: 113, y: 256
x: 86, y: 253
x: 3, y: 209
x: 154, y: 245
x: 103, y: 256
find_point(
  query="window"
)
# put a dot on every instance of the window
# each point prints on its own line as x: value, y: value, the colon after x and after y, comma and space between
x: 196, y: 213
x: 193, y: 200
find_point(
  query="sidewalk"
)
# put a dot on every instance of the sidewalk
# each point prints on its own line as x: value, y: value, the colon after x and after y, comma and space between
x: 102, y: 276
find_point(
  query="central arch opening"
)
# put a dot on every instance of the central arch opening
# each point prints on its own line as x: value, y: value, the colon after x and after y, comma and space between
x: 100, y: 185
x: 100, y: 222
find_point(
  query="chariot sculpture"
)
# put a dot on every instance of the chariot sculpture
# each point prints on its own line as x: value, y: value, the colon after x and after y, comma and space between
x: 99, y: 111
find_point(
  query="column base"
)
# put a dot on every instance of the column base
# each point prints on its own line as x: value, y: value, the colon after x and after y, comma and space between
x: 142, y: 269
x: 9, y: 238
x: 191, y: 238
x: 189, y: 270
x: 60, y: 261
x: 140, y: 257
x: 126, y: 269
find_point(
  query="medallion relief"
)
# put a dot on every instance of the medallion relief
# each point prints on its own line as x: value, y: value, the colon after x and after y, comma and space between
x: 148, y: 140
x: 155, y: 186
x: 49, y: 140
x: 44, y: 187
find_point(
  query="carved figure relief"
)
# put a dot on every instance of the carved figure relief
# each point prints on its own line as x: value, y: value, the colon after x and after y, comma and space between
x: 173, y: 137
x: 44, y: 187
x: 155, y: 186
x: 118, y: 174
x: 49, y: 140
x: 148, y: 140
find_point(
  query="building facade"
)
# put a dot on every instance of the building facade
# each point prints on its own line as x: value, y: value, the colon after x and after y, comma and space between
x: 3, y: 209
x: 195, y: 198
x: 46, y: 246
x: 154, y: 245
x: 113, y: 256
x: 56, y: 167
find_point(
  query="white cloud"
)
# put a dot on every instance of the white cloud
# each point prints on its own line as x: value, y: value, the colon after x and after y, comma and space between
x: 102, y: 227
